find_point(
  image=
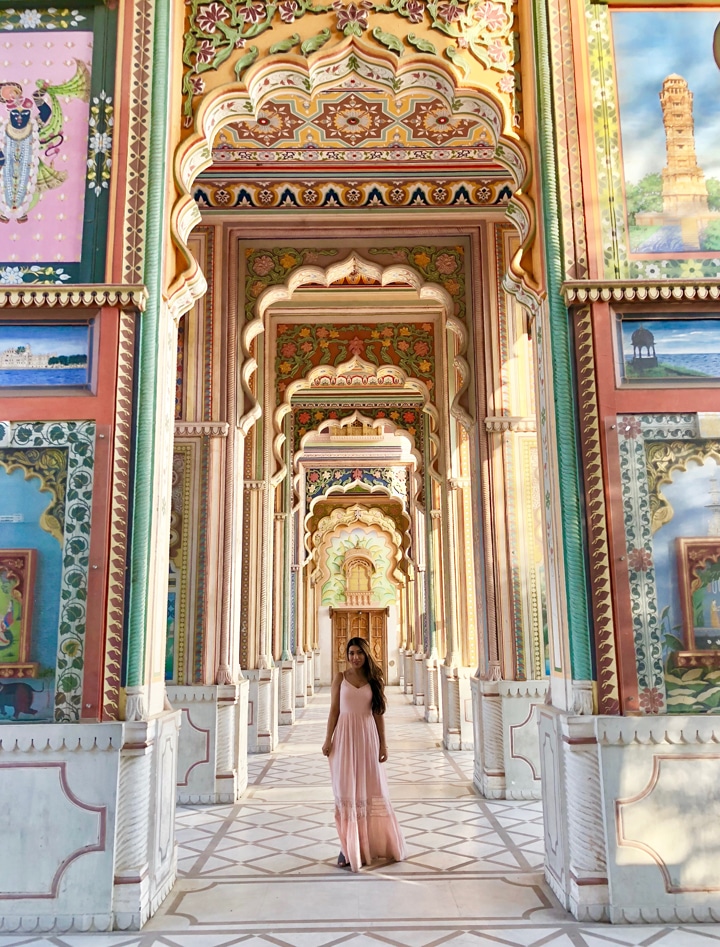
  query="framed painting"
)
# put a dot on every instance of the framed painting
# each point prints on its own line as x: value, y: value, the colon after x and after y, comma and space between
x: 17, y: 581
x: 46, y: 355
x: 676, y: 351
x: 668, y: 86
x: 698, y: 561
x: 56, y: 120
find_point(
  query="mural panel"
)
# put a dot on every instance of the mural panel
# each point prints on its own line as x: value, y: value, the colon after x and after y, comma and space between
x: 46, y: 482
x: 671, y: 501
x: 56, y: 122
x: 40, y: 356
x: 668, y: 87
x: 672, y: 350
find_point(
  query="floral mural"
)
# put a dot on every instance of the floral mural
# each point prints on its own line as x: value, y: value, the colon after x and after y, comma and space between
x: 308, y: 417
x: 302, y: 347
x: 223, y: 30
x: 320, y: 480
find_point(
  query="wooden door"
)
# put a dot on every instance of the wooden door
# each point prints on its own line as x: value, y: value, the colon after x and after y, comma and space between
x: 367, y: 623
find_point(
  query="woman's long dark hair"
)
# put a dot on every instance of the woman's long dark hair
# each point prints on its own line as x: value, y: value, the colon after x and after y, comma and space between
x: 373, y: 672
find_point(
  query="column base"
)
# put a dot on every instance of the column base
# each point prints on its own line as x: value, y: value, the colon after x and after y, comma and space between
x: 457, y: 703
x: 212, y: 750
x: 263, y: 709
x: 418, y: 679
x: 507, y: 754
x: 409, y: 672
x: 433, y: 696
x: 99, y: 800
x: 627, y: 803
x: 286, y: 715
x: 309, y: 674
x: 300, y: 680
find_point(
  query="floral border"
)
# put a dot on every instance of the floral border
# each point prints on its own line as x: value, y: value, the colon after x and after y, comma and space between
x: 61, y: 18
x: 78, y: 437
x: 318, y: 480
x: 633, y: 431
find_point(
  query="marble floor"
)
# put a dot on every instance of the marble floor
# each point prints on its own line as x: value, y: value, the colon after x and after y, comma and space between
x: 262, y: 873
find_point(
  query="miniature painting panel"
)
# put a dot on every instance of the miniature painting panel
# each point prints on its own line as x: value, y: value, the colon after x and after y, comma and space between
x: 676, y: 351
x: 44, y: 123
x: 668, y: 89
x: 33, y: 355
x: 685, y: 554
x: 699, y: 576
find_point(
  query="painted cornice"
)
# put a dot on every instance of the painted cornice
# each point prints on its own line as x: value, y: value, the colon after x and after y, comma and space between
x: 201, y: 428
x: 89, y: 296
x: 589, y: 291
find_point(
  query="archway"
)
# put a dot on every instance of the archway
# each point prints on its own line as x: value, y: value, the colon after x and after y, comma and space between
x: 396, y: 278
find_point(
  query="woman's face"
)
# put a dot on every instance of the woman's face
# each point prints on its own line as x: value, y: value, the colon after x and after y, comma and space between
x: 356, y: 656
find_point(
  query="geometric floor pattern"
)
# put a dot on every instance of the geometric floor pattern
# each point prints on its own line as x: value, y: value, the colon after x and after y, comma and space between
x: 262, y: 873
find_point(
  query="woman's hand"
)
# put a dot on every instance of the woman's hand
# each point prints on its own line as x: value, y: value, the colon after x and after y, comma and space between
x: 326, y: 747
x: 383, y: 753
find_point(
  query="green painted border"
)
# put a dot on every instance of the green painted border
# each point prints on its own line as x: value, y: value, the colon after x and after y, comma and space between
x: 570, y: 485
x: 150, y: 345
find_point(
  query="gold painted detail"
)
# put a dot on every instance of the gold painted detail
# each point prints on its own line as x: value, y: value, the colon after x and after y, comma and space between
x: 671, y: 290
x: 90, y: 296
x: 50, y: 466
x: 664, y: 457
x: 119, y: 512
x: 597, y: 520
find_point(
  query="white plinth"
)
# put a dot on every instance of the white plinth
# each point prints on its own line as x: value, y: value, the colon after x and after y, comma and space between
x: 629, y: 816
x: 90, y: 833
x: 457, y: 715
x: 507, y: 754
x: 212, y: 750
x: 263, y: 710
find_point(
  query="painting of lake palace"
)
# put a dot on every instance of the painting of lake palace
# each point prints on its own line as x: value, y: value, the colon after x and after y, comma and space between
x: 41, y: 356
x: 679, y: 350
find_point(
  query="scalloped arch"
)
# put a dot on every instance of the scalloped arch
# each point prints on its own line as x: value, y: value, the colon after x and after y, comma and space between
x: 308, y: 77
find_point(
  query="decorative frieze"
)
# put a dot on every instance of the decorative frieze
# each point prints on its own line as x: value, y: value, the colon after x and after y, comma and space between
x: 500, y: 424
x: 201, y: 428
x: 671, y: 290
x: 92, y: 297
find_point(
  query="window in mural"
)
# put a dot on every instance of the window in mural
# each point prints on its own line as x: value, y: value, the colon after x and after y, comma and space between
x: 668, y: 90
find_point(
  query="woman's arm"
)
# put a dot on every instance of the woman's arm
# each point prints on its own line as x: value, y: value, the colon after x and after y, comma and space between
x: 380, y: 724
x: 334, y: 713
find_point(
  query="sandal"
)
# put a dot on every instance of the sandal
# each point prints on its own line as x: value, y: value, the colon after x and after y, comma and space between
x: 342, y: 862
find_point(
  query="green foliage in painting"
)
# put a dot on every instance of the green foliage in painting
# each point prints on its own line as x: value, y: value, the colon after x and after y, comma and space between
x: 644, y: 196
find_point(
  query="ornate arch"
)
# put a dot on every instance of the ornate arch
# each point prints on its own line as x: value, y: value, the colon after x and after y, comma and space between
x: 372, y: 519
x: 348, y: 61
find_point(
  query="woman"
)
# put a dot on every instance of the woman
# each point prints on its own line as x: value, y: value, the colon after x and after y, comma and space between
x: 355, y: 746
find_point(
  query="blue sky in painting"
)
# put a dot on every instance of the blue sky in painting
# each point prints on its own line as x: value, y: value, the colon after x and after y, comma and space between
x: 46, y: 340
x: 649, y: 46
x: 678, y: 338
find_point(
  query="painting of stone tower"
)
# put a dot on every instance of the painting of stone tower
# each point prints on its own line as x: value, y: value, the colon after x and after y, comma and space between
x: 684, y: 191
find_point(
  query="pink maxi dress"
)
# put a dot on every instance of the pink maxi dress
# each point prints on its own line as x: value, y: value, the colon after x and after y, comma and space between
x: 364, y: 816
